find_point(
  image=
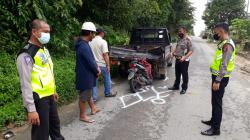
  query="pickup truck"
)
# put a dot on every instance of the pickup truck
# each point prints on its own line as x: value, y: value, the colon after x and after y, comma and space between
x: 154, y: 44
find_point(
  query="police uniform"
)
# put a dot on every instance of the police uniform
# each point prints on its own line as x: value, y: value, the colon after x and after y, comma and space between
x: 221, y: 68
x: 183, y: 46
x: 35, y: 70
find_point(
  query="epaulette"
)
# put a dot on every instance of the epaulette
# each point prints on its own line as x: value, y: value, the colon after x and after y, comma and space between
x: 29, y: 49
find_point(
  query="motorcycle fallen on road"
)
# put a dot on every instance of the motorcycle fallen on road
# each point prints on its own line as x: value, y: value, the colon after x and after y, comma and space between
x: 139, y: 74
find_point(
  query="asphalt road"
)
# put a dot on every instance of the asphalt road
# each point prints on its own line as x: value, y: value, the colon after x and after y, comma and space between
x: 159, y: 114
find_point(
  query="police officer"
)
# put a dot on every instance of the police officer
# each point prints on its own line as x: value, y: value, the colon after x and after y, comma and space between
x: 182, y: 52
x: 38, y: 88
x: 221, y: 68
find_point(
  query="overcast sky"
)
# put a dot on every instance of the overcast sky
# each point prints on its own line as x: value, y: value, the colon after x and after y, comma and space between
x: 199, y: 23
x: 200, y: 7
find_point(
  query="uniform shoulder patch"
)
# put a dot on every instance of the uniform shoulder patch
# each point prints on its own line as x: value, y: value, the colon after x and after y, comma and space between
x: 226, y: 47
x: 28, y: 60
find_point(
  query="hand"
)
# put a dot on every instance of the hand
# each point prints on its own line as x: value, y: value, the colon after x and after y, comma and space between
x: 182, y: 58
x: 216, y: 86
x: 173, y: 53
x: 108, y: 69
x: 56, y: 97
x: 99, y: 71
x: 33, y: 118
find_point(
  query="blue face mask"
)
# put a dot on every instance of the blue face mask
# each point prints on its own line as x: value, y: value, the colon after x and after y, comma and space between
x: 44, y: 39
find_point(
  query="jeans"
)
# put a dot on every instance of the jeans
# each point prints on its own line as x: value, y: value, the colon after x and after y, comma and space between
x: 107, y: 83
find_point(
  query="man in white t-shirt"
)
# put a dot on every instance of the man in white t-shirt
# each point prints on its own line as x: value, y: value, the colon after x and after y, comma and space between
x: 100, y: 50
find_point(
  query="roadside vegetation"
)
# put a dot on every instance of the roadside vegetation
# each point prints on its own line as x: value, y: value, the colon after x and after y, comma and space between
x: 65, y: 17
x: 232, y: 12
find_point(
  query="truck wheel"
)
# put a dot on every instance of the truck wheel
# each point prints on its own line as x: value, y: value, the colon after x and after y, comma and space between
x: 162, y: 76
x: 122, y: 71
x: 134, y: 85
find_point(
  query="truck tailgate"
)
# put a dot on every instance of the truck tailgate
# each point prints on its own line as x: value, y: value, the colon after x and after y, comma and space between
x: 121, y: 53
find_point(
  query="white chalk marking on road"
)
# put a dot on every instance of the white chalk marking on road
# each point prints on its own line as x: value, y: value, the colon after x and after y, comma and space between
x: 166, y: 79
x: 154, y: 99
x: 163, y: 87
x: 158, y: 99
x: 125, y: 106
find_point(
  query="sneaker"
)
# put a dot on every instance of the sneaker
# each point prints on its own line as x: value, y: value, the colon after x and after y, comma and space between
x: 111, y: 94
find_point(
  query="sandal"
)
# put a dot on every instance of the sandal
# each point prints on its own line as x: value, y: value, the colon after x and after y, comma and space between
x: 87, y: 120
x: 96, y: 111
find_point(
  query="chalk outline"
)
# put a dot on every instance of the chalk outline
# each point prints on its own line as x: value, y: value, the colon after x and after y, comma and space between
x: 154, y: 99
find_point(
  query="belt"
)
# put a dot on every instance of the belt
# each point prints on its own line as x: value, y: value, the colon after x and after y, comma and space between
x: 178, y: 57
x: 217, y: 72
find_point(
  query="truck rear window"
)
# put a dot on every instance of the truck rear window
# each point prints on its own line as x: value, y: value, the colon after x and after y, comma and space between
x: 149, y: 36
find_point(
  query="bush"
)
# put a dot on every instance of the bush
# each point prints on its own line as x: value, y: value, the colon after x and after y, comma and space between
x: 11, y: 109
x: 115, y: 37
x: 64, y: 69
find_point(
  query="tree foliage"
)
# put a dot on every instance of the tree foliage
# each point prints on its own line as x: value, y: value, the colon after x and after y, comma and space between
x: 181, y: 14
x: 241, y: 29
x: 126, y: 14
x: 223, y: 11
x: 16, y: 15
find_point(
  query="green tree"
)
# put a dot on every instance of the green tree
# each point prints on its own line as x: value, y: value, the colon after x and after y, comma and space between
x: 223, y: 11
x: 16, y: 15
x: 107, y: 12
x: 181, y: 15
x: 240, y: 29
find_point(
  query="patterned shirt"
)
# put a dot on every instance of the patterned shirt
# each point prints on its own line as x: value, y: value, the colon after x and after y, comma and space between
x: 183, y: 47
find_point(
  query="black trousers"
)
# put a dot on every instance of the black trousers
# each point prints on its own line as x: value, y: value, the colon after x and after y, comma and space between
x: 217, y: 102
x: 49, y: 120
x: 181, y: 69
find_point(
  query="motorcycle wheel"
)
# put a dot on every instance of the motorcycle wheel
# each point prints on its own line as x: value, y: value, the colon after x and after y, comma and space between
x: 134, y: 85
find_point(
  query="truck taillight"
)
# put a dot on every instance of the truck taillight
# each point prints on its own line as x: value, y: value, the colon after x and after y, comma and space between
x: 115, y: 62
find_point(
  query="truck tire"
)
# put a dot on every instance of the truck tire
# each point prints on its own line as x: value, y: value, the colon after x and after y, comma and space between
x: 162, y: 76
x: 134, y: 85
x: 122, y: 71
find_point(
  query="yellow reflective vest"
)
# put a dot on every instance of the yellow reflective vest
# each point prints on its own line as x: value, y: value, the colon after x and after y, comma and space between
x: 42, y: 77
x: 216, y: 64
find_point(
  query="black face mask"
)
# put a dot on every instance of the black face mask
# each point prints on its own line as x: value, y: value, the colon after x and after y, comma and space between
x: 216, y: 37
x: 181, y: 35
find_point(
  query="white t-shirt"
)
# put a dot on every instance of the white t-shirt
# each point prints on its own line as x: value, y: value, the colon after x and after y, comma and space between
x: 99, y: 46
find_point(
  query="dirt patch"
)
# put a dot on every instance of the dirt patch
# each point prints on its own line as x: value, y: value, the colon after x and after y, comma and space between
x: 242, y: 61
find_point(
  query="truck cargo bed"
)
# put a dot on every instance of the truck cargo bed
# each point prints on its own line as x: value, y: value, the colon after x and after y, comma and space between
x: 127, y: 54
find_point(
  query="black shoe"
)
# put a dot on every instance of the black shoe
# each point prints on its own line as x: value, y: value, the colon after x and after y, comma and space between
x: 111, y: 94
x: 211, y: 132
x: 173, y: 88
x: 206, y: 122
x: 183, y: 92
